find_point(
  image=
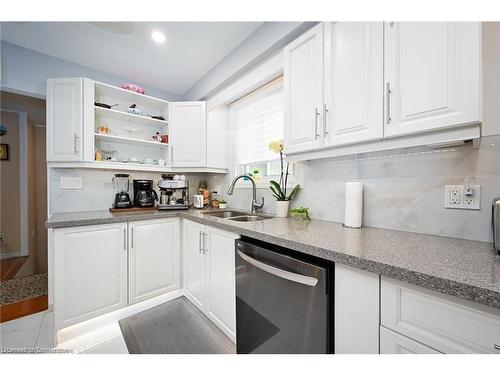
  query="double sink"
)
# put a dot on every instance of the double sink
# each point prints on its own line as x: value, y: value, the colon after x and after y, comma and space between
x: 237, y: 215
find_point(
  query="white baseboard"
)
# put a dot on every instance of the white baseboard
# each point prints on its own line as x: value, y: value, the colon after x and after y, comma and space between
x: 79, y: 329
x: 10, y: 254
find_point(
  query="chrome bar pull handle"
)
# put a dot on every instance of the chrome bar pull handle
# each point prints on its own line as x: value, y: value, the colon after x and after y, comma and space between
x: 316, y: 114
x: 75, y: 143
x: 124, y: 238
x: 132, y: 237
x: 388, y: 100
x: 325, y: 130
x: 199, y: 242
x: 205, y: 250
x: 496, y: 346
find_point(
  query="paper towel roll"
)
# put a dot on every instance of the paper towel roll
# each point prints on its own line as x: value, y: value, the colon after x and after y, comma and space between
x: 353, y: 204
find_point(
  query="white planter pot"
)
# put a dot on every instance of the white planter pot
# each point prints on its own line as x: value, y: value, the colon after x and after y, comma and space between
x: 282, y: 208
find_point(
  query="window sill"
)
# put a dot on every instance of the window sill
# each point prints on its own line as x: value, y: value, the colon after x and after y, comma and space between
x: 262, y: 185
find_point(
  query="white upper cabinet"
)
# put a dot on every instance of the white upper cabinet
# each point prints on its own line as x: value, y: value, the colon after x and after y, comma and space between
x: 188, y: 134
x: 303, y: 91
x: 65, y: 119
x: 217, y: 139
x: 432, y: 76
x: 353, y: 82
x: 153, y: 263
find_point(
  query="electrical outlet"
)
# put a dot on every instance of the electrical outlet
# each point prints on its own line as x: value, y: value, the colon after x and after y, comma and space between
x: 462, y: 197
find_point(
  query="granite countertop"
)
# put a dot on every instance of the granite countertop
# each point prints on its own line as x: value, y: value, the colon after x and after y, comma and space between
x: 462, y: 268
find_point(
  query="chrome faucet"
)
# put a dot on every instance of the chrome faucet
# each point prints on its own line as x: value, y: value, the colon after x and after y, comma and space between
x: 255, y: 205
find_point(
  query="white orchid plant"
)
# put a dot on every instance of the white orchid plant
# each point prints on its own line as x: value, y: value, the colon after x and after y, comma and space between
x: 279, y: 189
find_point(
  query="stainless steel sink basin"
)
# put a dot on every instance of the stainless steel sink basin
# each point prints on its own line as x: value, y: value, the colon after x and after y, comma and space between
x: 225, y: 214
x: 237, y: 215
x: 249, y: 218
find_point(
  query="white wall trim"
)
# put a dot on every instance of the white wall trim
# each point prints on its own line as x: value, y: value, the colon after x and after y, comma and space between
x: 23, y: 181
x: 258, y: 77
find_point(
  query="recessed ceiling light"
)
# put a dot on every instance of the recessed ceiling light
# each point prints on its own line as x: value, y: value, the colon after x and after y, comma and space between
x: 158, y: 36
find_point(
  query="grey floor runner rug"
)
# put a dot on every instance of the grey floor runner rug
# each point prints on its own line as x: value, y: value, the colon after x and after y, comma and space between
x: 175, y: 327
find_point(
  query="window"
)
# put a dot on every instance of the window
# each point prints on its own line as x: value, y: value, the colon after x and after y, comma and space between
x: 258, y: 120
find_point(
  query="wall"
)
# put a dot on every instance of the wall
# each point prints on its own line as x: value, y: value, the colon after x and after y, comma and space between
x: 97, y: 188
x: 259, y: 46
x: 26, y: 71
x: 404, y: 189
x: 10, y: 214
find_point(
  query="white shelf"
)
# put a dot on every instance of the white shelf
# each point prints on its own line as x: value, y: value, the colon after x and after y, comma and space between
x: 125, y: 140
x: 129, y: 117
x: 118, y: 166
x: 103, y: 89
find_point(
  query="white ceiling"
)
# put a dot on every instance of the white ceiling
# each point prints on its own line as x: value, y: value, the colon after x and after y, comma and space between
x: 127, y: 50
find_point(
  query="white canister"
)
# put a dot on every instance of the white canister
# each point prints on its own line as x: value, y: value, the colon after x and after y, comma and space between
x: 198, y: 201
x: 353, y: 204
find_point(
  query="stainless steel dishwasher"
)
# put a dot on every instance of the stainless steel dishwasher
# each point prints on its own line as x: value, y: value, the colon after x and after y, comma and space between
x: 284, y: 300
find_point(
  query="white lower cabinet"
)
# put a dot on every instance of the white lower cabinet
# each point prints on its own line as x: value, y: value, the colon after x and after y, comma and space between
x: 90, y: 272
x: 153, y: 267
x: 195, y: 263
x: 356, y: 309
x: 102, y: 268
x: 394, y: 343
x: 444, y: 323
x: 209, y: 280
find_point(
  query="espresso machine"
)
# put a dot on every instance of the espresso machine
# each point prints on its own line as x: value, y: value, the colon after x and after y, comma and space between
x: 121, y: 184
x: 144, y: 194
x: 174, y: 194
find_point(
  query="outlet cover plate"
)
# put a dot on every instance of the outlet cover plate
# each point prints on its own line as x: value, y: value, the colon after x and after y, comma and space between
x: 70, y: 183
x: 454, y: 197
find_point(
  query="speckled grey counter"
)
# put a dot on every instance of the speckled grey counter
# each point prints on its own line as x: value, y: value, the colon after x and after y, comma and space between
x: 461, y: 268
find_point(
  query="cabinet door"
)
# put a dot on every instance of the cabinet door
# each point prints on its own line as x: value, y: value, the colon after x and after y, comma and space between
x: 90, y: 272
x: 153, y: 258
x: 432, y: 75
x: 221, y: 307
x: 217, y: 140
x: 188, y: 132
x: 353, y: 110
x: 303, y: 91
x: 195, y: 263
x: 394, y: 343
x: 65, y: 119
x: 357, y: 307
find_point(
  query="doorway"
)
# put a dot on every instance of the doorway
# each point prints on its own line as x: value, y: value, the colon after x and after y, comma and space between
x: 23, y: 206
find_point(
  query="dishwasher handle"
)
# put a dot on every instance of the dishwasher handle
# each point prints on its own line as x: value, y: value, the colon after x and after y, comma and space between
x: 295, y: 277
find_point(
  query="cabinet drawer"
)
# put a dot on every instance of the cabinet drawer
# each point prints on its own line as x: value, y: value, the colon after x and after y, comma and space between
x: 441, y: 322
x: 394, y: 343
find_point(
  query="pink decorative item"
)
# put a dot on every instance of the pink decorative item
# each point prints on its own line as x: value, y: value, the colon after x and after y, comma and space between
x: 134, y: 88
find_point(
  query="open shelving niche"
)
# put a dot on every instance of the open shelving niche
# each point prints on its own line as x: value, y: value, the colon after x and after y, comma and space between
x: 130, y: 134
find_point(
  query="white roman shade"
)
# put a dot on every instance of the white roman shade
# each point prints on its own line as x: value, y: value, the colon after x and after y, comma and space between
x: 257, y: 120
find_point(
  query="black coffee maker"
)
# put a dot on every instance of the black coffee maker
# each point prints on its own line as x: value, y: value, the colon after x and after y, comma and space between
x: 144, y: 194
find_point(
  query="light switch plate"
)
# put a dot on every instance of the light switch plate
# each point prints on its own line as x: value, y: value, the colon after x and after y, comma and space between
x: 70, y: 183
x: 454, y: 197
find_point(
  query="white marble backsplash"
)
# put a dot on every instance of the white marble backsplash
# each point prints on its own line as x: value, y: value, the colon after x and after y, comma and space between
x: 403, y: 189
x: 97, y: 188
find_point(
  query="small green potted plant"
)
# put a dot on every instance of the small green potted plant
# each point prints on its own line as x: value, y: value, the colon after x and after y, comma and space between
x: 222, y: 204
x: 279, y: 189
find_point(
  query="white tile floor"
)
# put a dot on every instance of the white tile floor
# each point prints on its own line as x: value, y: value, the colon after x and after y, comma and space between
x: 36, y: 331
